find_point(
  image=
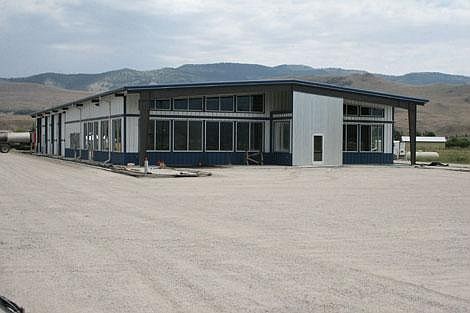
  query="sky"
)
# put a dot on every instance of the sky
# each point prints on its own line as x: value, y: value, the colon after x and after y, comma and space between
x: 379, y: 36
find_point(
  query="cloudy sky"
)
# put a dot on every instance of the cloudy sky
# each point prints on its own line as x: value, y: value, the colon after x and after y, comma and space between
x: 386, y: 36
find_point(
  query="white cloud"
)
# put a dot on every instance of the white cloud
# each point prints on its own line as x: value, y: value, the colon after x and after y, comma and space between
x: 393, y: 36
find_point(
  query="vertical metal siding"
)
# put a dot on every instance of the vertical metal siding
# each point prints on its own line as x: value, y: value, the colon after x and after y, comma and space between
x: 314, y: 114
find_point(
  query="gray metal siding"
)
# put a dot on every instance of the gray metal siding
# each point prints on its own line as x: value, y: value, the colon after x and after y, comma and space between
x: 314, y: 114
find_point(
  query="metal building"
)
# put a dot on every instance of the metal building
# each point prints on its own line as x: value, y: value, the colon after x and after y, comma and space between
x: 288, y: 122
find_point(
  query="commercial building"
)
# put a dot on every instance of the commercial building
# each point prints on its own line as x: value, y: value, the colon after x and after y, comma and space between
x: 287, y: 122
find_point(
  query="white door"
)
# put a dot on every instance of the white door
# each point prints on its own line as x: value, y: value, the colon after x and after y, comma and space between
x: 318, y: 144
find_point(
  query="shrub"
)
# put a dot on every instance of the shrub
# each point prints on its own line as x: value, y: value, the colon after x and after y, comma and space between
x: 458, y: 142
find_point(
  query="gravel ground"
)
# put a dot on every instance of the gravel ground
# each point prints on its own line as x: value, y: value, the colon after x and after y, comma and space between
x: 75, y: 238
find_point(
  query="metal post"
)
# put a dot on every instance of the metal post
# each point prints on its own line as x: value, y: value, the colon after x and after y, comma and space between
x: 412, y: 132
x: 143, y: 125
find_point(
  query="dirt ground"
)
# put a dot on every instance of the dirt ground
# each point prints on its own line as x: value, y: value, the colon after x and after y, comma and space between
x: 354, y: 239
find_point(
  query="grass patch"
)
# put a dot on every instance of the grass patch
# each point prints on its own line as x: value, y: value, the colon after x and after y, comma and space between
x: 455, y: 155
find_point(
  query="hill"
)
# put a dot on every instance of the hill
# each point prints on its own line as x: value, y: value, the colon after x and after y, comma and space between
x: 25, y: 98
x: 217, y: 72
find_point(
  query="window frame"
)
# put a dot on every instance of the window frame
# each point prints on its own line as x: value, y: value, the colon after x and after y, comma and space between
x: 102, y: 140
x: 250, y: 103
x: 187, y: 134
x: 218, y: 103
x: 120, y: 135
x: 169, y: 134
x: 371, y: 125
x: 232, y: 122
x: 322, y: 161
x: 345, y: 137
x: 163, y: 99
x: 263, y: 133
x: 281, y: 122
x: 177, y: 99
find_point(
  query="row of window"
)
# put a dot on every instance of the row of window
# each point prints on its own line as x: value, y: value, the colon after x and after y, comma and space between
x: 246, y: 103
x: 187, y: 135
x: 363, y: 138
x: 96, y: 135
x: 357, y: 110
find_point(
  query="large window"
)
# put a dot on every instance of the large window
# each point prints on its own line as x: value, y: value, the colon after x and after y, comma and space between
x: 187, y: 135
x: 187, y: 104
x: 250, y: 136
x: 350, y: 136
x: 219, y: 136
x: 159, y: 135
x: 377, y: 139
x: 162, y: 104
x: 371, y: 138
x: 224, y: 104
x: 212, y: 103
x: 151, y: 136
x: 162, y: 135
x: 356, y: 110
x: 117, y: 139
x: 180, y: 104
x: 91, y: 135
x: 254, y: 103
x: 104, y: 135
x: 350, y: 110
x: 373, y: 112
x: 195, y: 104
x: 363, y: 137
x: 281, y: 136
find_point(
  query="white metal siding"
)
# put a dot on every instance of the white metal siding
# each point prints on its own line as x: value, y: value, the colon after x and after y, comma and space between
x: 132, y: 134
x: 314, y: 114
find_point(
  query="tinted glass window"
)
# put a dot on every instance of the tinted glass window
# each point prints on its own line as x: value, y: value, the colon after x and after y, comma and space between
x: 195, y: 104
x: 181, y: 135
x: 162, y: 130
x: 377, y: 138
x: 226, y: 136
x: 365, y: 111
x: 243, y: 103
x: 180, y: 104
x: 256, y: 141
x: 226, y: 104
x: 377, y: 112
x: 352, y: 110
x: 195, y: 135
x: 351, y: 137
x: 257, y: 103
x: 163, y: 104
x: 365, y: 137
x: 212, y: 103
x: 151, y: 136
x: 243, y: 136
x: 212, y: 136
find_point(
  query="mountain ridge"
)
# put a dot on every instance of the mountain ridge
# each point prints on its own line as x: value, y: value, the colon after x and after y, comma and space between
x: 188, y: 73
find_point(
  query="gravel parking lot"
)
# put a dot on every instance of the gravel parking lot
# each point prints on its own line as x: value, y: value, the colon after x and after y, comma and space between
x: 76, y: 239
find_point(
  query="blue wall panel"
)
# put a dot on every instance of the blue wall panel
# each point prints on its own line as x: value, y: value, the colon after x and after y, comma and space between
x: 278, y: 158
x: 101, y: 156
x: 367, y: 158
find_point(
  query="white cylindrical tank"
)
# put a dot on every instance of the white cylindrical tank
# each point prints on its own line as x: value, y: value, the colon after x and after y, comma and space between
x: 23, y: 137
x: 424, y: 156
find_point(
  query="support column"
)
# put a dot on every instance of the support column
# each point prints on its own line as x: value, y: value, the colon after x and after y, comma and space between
x: 144, y: 120
x: 412, y: 132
